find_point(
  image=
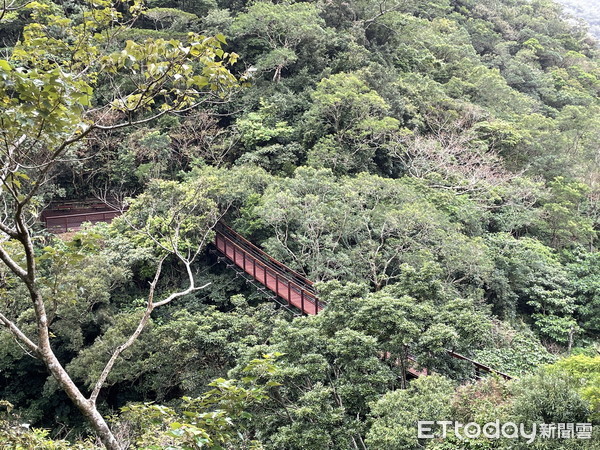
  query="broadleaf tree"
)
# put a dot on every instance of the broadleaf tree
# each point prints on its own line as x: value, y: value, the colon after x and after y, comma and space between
x: 50, y: 104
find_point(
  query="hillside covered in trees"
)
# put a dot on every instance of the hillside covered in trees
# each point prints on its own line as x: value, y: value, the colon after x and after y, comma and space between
x: 433, y: 166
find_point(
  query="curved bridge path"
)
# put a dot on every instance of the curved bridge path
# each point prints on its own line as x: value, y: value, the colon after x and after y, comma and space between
x: 290, y: 287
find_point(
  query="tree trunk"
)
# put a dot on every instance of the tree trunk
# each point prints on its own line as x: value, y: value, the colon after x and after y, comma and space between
x: 85, y: 406
x: 56, y: 369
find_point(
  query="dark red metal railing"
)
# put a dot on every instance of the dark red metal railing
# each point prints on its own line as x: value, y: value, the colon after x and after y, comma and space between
x: 72, y: 222
x: 286, y: 283
x: 68, y: 216
x: 292, y: 287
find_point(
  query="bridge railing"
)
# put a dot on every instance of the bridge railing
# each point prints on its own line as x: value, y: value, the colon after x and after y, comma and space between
x: 286, y: 283
x: 294, y: 287
x: 72, y: 222
x: 478, y: 367
x: 235, y: 236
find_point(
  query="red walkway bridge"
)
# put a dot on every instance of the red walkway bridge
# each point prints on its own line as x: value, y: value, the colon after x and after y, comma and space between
x: 285, y: 283
x: 291, y: 288
x: 69, y: 216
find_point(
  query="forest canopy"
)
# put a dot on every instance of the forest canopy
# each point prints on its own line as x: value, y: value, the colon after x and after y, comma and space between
x: 432, y: 166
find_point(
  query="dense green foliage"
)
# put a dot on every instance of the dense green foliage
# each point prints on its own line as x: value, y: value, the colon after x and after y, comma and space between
x: 433, y: 166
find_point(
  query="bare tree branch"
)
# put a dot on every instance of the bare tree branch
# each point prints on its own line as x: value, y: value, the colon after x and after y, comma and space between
x: 150, y: 306
x: 12, y: 265
x: 19, y: 334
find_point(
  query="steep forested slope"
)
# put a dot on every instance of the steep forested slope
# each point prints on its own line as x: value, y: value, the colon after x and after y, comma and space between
x: 434, y: 166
